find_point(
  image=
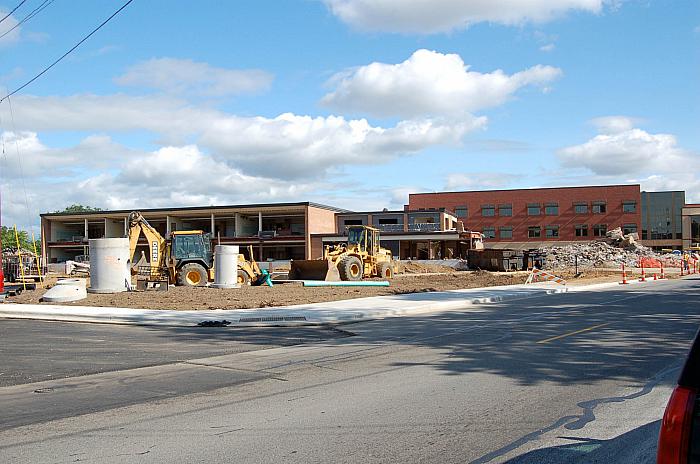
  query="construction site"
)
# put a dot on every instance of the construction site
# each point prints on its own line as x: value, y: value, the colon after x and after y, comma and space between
x: 193, y: 270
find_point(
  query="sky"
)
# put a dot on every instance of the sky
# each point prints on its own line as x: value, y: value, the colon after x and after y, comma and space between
x: 350, y: 103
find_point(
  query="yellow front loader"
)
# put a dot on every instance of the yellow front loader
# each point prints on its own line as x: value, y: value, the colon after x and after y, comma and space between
x: 361, y: 257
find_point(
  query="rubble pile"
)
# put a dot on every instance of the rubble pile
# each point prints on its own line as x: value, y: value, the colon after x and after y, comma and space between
x: 612, y: 251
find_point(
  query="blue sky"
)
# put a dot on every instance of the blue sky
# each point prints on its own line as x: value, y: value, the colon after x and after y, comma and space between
x: 353, y: 103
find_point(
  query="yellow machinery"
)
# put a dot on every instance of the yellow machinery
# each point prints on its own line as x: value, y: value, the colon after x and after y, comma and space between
x: 361, y: 257
x: 185, y: 260
x: 249, y: 272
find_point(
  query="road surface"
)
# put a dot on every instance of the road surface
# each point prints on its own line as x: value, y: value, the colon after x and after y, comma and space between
x: 568, y: 378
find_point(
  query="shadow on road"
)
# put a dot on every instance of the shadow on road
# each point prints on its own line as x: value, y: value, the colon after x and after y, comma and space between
x: 634, y: 333
x: 583, y: 450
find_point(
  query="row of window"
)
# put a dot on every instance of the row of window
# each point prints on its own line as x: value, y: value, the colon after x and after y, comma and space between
x: 552, y: 231
x: 550, y: 209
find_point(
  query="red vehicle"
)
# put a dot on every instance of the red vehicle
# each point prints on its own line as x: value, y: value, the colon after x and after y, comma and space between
x: 679, y: 439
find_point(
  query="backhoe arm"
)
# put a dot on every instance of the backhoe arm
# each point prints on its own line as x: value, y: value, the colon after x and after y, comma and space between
x: 156, y: 242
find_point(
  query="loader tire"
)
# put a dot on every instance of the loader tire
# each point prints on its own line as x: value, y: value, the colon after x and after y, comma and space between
x: 192, y: 275
x: 243, y: 278
x: 386, y: 271
x: 350, y: 268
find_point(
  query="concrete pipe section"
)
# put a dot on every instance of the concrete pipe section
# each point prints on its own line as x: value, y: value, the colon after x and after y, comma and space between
x: 226, y: 266
x: 109, y: 265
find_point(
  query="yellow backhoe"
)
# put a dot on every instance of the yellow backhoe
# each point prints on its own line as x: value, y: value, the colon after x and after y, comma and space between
x: 361, y: 257
x: 185, y: 260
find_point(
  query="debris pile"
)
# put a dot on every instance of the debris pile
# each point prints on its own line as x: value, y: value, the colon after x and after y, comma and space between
x: 612, y: 251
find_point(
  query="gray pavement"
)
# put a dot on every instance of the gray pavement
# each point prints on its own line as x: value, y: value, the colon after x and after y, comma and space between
x: 565, y: 378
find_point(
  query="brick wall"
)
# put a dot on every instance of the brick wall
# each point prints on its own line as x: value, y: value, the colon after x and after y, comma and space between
x: 318, y: 221
x: 520, y: 221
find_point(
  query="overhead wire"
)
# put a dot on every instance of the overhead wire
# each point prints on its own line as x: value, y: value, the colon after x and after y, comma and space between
x: 33, y: 13
x: 13, y: 10
x: 67, y: 53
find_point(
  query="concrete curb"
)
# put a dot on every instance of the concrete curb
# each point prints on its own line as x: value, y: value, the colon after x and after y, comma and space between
x: 359, y: 309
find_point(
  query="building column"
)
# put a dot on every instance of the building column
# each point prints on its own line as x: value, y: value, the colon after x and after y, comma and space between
x: 86, y: 229
x: 260, y: 226
x: 213, y: 228
x: 168, y: 226
x: 236, y: 222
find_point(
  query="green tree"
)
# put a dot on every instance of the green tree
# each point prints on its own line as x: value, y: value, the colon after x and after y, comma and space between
x: 9, y: 241
x: 76, y: 208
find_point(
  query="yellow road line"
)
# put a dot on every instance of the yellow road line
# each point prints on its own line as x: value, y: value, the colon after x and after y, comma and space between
x: 547, y: 340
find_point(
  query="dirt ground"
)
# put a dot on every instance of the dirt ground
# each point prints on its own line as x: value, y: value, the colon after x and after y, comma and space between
x: 188, y: 298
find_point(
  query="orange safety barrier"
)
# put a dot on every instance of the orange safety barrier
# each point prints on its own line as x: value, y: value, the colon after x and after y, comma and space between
x: 537, y: 274
x: 624, y: 275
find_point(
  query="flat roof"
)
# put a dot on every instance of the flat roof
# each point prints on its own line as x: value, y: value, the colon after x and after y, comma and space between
x: 399, y: 211
x: 529, y: 188
x: 198, y: 208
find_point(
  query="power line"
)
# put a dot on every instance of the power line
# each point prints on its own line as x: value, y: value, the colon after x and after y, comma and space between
x: 13, y: 10
x: 67, y: 53
x: 33, y: 13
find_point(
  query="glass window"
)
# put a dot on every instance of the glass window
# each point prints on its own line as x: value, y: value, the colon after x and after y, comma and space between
x: 489, y: 232
x: 629, y: 206
x: 534, y: 232
x: 488, y: 210
x: 533, y: 209
x: 505, y: 210
x: 551, y: 209
x: 599, y: 207
x: 506, y: 232
x: 551, y: 231
x: 353, y: 222
x: 461, y: 211
x: 581, y: 230
x: 629, y: 229
x: 599, y: 230
x: 581, y: 208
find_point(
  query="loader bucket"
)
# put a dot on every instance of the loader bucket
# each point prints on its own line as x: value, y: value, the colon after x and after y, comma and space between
x: 314, y: 269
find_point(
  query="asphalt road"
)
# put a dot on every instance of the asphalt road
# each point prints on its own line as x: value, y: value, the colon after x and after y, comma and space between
x: 565, y: 378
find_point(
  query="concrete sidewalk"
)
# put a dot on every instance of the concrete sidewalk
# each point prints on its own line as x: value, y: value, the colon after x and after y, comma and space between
x: 333, y: 312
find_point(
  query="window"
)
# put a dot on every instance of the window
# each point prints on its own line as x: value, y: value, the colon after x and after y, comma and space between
x: 599, y: 230
x: 551, y: 231
x: 599, y: 207
x: 534, y: 232
x: 489, y: 232
x: 388, y: 221
x: 353, y: 222
x: 551, y: 209
x: 505, y: 210
x: 461, y: 211
x: 581, y: 208
x: 488, y: 210
x: 629, y: 206
x: 533, y: 209
x: 506, y: 232
x: 581, y: 230
x: 629, y: 228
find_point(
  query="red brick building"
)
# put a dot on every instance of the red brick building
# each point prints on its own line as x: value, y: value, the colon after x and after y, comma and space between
x: 532, y: 217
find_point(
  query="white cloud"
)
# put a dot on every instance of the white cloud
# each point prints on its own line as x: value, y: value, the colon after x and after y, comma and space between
x: 187, y: 77
x: 622, y: 150
x: 287, y: 146
x: 548, y: 48
x: 614, y: 124
x: 479, y: 181
x: 428, y: 83
x: 435, y: 16
x: 5, y: 26
x: 290, y: 146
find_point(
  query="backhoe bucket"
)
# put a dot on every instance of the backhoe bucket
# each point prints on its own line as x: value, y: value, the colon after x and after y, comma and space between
x: 314, y: 269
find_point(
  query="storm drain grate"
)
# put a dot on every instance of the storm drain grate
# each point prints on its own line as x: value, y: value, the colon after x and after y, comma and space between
x: 273, y: 319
